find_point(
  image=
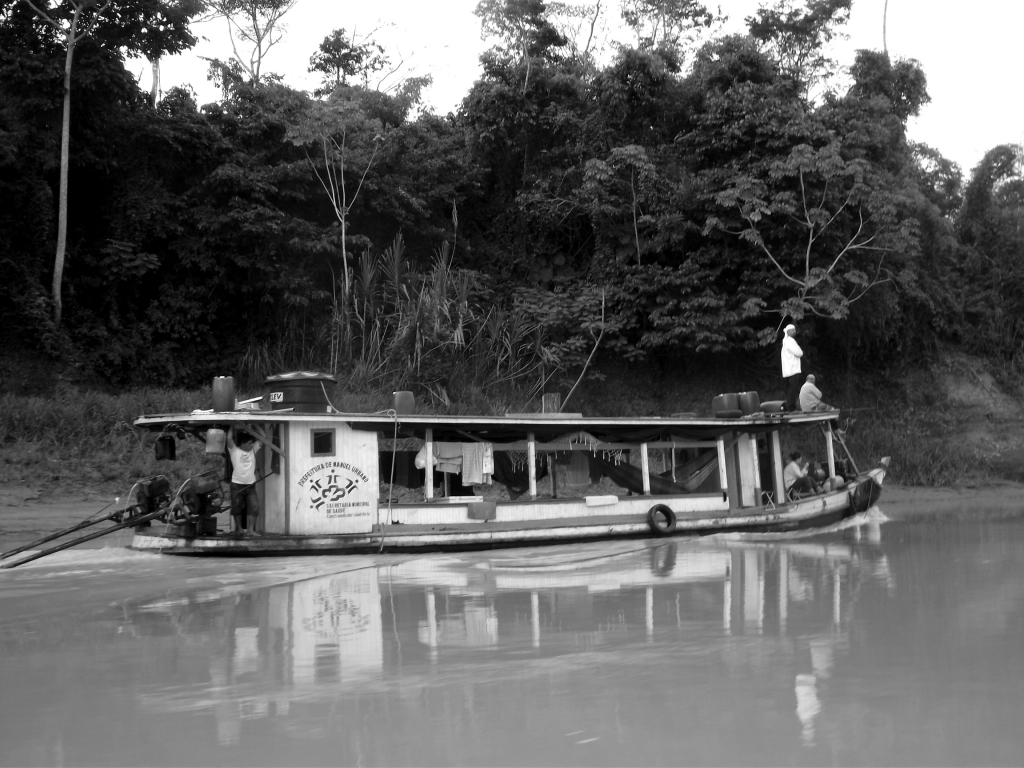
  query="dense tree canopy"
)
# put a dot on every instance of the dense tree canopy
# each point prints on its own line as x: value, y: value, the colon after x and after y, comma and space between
x: 682, y: 198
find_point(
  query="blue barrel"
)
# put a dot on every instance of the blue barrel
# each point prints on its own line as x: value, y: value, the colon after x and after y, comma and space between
x: 302, y: 391
x: 223, y: 394
x: 728, y: 402
x: 749, y: 402
x: 405, y: 403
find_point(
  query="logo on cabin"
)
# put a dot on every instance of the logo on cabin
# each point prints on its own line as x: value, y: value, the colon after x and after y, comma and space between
x: 335, y: 488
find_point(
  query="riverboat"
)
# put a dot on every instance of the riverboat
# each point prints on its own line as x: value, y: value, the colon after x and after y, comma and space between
x: 334, y: 482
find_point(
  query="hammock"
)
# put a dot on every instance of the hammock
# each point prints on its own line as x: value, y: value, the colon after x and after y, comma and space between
x: 630, y: 477
x: 694, y: 472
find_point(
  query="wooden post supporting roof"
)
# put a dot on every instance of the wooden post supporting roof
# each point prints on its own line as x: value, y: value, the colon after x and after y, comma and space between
x: 723, y: 472
x: 428, y: 472
x: 830, y: 452
x: 756, y: 466
x: 531, y: 458
x: 778, y: 483
x: 257, y: 431
x: 645, y: 469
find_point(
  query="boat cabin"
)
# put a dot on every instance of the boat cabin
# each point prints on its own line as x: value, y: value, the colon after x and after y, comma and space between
x: 327, y: 473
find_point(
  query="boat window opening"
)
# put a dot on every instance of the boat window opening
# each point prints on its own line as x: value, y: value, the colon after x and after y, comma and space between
x: 321, y: 442
x: 563, y: 471
x: 275, y: 457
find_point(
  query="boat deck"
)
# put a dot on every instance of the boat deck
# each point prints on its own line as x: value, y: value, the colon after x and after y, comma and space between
x: 813, y: 511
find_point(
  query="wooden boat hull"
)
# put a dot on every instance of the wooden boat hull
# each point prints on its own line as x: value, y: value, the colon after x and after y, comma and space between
x: 626, y: 519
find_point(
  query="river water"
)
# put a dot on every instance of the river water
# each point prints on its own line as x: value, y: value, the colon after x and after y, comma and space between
x: 876, y: 643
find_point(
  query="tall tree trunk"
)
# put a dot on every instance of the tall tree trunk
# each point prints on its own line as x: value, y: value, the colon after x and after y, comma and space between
x: 72, y: 36
x: 154, y: 91
x: 347, y: 291
x: 62, y: 204
x: 885, y: 22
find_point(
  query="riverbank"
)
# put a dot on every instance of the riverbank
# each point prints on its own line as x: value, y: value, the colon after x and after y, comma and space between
x: 994, y: 499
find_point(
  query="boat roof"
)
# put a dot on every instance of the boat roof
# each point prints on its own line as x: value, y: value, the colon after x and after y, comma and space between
x: 499, y: 429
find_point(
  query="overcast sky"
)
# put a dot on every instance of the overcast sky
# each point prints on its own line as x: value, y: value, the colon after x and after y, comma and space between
x: 970, y: 51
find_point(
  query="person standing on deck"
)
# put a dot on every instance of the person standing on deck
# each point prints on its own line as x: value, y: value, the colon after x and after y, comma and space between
x: 242, y: 448
x: 791, y: 354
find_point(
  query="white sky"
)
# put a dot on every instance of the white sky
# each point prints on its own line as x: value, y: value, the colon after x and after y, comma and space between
x: 971, y: 54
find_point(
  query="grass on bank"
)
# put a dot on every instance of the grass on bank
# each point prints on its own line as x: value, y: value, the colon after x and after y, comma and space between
x: 86, y: 438
x: 919, y: 454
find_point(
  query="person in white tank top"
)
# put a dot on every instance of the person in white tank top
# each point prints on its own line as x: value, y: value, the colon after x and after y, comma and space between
x: 245, y: 503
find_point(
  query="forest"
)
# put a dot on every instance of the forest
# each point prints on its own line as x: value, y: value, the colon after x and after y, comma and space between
x: 681, y: 201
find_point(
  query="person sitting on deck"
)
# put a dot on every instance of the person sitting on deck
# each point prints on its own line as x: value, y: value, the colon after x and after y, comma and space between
x: 823, y: 480
x: 810, y: 396
x: 795, y: 477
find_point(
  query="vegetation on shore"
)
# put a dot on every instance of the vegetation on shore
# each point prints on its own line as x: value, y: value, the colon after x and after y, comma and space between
x: 685, y: 194
x: 85, y: 437
x: 659, y: 208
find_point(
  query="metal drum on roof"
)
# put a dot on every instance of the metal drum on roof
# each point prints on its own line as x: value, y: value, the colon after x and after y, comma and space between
x: 301, y: 376
x: 300, y: 391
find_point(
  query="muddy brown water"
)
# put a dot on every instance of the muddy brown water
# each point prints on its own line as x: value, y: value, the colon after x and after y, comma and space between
x: 880, y: 642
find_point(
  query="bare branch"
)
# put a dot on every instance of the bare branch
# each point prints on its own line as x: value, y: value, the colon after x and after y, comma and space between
x: 359, y: 186
x: 839, y: 210
x: 597, y: 343
x: 44, y: 16
x: 768, y: 253
x: 593, y: 23
x: 91, y: 25
x: 851, y: 245
x: 261, y: 28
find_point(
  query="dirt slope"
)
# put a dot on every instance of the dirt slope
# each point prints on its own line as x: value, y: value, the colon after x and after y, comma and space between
x: 989, y: 419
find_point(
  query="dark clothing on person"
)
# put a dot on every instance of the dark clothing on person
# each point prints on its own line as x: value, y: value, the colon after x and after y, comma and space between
x: 804, y: 485
x: 245, y: 503
x: 793, y: 384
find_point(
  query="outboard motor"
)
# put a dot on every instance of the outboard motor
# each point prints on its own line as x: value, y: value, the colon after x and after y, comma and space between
x: 153, y: 493
x: 197, y: 502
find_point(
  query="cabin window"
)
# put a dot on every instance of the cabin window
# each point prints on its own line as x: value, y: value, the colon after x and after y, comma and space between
x: 275, y: 457
x: 321, y: 442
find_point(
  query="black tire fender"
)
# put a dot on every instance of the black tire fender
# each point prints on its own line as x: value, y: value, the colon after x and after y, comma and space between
x: 661, y: 519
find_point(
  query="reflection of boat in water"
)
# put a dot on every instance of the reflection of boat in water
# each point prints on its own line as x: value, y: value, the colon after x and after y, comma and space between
x: 776, y: 609
x: 349, y: 483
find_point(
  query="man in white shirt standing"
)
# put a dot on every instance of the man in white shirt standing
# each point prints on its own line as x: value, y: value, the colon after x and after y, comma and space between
x: 791, y: 354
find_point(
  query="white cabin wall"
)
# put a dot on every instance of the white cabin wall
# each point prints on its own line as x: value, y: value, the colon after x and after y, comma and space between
x: 334, y: 493
x: 750, y: 480
x: 274, y: 487
x: 732, y: 472
x: 450, y: 513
